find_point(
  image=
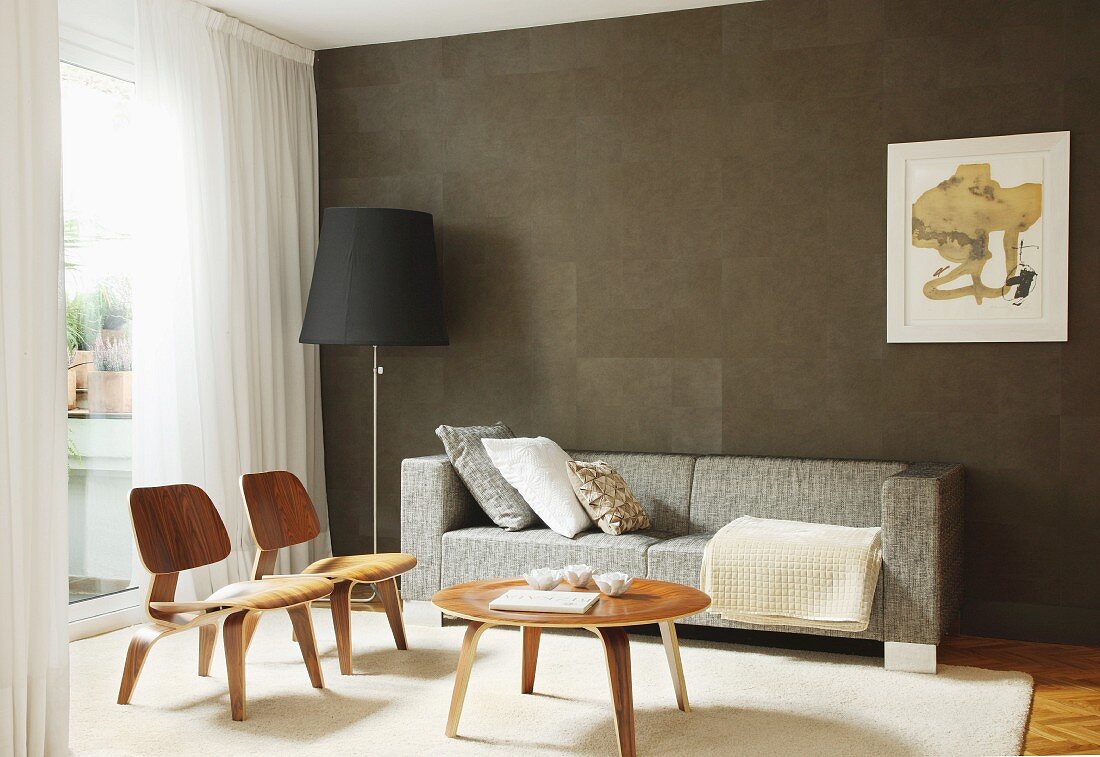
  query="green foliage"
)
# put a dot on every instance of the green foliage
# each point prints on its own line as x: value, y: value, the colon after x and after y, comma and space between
x: 73, y: 451
x: 83, y: 320
x: 115, y: 300
x: 71, y: 238
x: 108, y: 306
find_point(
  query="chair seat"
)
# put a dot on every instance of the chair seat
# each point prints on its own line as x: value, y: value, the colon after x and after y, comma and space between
x: 272, y: 593
x: 363, y: 568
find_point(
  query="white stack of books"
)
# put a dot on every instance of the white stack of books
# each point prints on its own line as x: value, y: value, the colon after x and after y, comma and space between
x: 530, y: 600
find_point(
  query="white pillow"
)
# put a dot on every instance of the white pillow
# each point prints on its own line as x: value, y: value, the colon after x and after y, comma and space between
x: 539, y: 470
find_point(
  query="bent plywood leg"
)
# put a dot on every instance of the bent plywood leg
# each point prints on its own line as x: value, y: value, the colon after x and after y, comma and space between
x: 263, y: 565
x: 531, y: 636
x: 250, y: 624
x: 340, y: 604
x: 675, y: 667
x: 140, y: 644
x: 208, y: 637
x: 387, y: 592
x: 233, y: 638
x: 616, y: 647
x: 303, y: 630
x: 462, y: 675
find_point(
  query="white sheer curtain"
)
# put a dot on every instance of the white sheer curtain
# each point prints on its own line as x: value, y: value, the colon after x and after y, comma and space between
x: 221, y: 384
x: 34, y: 654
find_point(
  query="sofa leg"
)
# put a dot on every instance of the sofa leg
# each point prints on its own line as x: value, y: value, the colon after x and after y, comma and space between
x: 420, y: 613
x: 911, y: 658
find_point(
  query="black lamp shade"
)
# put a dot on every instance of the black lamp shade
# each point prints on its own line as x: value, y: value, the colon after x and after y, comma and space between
x: 376, y: 280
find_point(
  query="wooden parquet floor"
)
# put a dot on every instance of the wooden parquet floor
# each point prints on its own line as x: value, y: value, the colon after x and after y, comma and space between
x: 1065, y: 710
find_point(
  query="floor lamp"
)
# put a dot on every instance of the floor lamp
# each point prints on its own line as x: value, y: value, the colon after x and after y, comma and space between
x: 376, y: 283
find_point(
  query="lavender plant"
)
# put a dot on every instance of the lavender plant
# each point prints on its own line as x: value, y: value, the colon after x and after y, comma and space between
x: 112, y: 355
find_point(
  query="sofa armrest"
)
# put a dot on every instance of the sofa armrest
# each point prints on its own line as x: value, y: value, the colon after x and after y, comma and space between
x: 433, y: 501
x: 922, y: 526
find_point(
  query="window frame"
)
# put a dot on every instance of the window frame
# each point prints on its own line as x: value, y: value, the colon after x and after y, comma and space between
x: 96, y: 53
x: 96, y: 615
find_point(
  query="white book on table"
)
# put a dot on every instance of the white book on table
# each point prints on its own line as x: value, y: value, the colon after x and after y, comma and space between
x: 531, y: 600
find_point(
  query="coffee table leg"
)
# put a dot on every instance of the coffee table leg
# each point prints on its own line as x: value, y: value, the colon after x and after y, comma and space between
x: 531, y: 636
x: 462, y: 675
x: 672, y: 651
x: 616, y: 647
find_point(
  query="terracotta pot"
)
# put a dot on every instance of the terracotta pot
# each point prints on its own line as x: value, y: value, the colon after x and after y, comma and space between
x: 83, y: 361
x: 70, y: 375
x: 110, y: 391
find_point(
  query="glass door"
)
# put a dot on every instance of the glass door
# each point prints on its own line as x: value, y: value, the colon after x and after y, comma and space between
x: 99, y: 206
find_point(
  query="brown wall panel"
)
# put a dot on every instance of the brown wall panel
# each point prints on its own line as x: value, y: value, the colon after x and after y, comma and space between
x: 667, y: 232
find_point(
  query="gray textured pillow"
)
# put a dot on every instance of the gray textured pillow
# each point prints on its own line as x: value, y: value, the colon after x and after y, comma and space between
x: 497, y: 497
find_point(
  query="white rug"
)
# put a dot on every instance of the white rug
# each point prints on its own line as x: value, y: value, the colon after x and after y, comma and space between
x: 745, y: 700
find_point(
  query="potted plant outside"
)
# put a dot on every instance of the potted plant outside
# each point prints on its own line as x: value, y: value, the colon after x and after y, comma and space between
x: 114, y: 308
x: 110, y: 384
x: 83, y: 316
x: 70, y: 380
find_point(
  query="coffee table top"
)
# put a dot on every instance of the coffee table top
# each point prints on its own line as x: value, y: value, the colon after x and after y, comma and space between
x: 648, y: 601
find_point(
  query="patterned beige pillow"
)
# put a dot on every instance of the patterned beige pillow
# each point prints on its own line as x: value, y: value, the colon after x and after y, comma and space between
x: 607, y: 498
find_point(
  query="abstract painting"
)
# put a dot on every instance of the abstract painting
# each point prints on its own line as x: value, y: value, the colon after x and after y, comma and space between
x: 977, y: 239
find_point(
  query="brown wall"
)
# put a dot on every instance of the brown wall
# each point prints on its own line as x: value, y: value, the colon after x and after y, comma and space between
x: 667, y: 232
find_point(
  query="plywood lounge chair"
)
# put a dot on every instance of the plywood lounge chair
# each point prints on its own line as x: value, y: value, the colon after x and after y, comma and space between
x: 177, y: 528
x: 281, y: 514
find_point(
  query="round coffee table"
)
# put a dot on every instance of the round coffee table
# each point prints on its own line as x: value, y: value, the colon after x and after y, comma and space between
x: 647, y: 602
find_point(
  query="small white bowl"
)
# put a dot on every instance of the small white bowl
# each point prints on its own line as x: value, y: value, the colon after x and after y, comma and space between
x: 542, y: 579
x: 613, y: 584
x: 577, y: 576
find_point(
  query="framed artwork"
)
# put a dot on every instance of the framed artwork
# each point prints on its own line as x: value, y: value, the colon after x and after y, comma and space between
x: 978, y: 239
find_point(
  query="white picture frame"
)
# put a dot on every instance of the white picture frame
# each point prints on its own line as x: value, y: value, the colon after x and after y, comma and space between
x: 956, y: 281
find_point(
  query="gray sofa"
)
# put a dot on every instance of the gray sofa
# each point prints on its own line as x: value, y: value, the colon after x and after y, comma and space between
x: 689, y: 497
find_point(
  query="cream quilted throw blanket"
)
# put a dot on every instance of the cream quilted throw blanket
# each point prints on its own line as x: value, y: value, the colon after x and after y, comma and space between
x: 787, y: 573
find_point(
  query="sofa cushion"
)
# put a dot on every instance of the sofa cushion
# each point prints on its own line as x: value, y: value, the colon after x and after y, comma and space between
x: 660, y: 482
x: 539, y: 470
x: 487, y: 552
x: 838, y: 492
x: 497, y: 497
x: 678, y: 559
x: 607, y: 498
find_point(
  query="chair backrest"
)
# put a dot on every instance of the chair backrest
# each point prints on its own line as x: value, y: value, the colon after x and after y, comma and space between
x: 279, y: 509
x: 177, y: 528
